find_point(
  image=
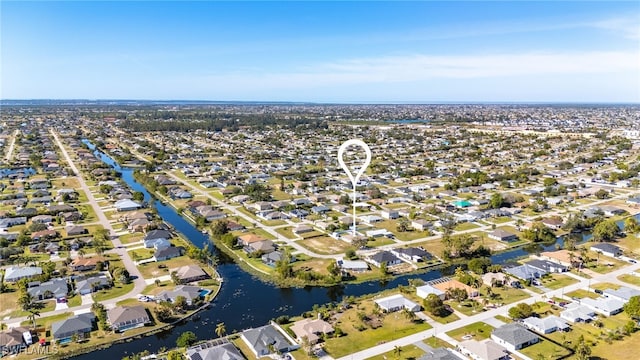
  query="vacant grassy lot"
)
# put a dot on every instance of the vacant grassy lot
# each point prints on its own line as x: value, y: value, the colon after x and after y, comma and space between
x: 478, y: 330
x: 152, y: 269
x: 631, y: 279
x: 360, y: 333
x: 115, y: 291
x: 325, y: 245
x: 581, y: 293
x: 405, y: 352
x: 444, y: 320
x: 548, y: 349
x: 392, y: 226
x: 504, y: 294
x: 317, y: 265
x: 557, y: 281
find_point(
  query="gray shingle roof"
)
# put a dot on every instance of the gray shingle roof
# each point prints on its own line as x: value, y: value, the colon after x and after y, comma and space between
x: 514, y: 334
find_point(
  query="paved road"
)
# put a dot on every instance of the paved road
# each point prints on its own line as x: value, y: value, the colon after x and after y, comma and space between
x: 12, y: 145
x: 485, y: 316
x: 139, y: 282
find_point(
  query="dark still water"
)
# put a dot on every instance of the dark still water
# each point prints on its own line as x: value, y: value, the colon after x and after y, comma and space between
x: 244, y: 301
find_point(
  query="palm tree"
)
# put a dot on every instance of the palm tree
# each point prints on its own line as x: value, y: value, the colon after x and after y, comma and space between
x: 397, y: 350
x: 221, y: 329
x: 410, y: 315
x: 81, y: 253
x: 32, y: 316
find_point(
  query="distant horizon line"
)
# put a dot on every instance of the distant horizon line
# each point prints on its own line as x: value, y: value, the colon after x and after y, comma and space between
x: 189, y: 101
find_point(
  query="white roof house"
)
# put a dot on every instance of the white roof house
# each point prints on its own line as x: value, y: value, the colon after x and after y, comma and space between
x: 483, y: 350
x: 604, y: 306
x: 424, y: 291
x: 577, y: 313
x: 546, y: 325
x: 396, y: 302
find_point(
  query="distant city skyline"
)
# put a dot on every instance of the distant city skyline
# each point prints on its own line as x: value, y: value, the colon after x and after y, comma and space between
x: 323, y: 52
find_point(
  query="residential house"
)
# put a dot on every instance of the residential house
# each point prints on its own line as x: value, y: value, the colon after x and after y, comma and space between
x: 514, y: 336
x: 44, y: 235
x: 273, y: 257
x: 55, y: 288
x: 215, y: 351
x: 562, y: 257
x: 384, y: 257
x: 447, y: 284
x: 267, y: 339
x: 14, y: 340
x: 395, y: 303
x: 159, y: 243
x: 158, y: 234
x: 483, y: 350
x: 420, y: 224
x: 525, y: 272
x: 14, y: 273
x: 92, y: 284
x: 606, y: 249
x: 73, y: 230
x: 500, y: 279
x: 167, y: 253
x: 122, y: 318
x: 546, y: 266
x: 425, y: 290
x: 265, y: 247
x: 84, y: 264
x: 577, y: 313
x: 190, y: 293
x: 604, y: 306
x: 78, y: 326
x: 545, y: 325
x: 42, y: 219
x: 552, y: 223
x: 389, y: 214
x: 127, y: 205
x: 245, y: 240
x: 191, y: 273
x: 412, y: 253
x: 352, y: 266
x: 311, y: 329
x: 302, y: 228
x: 439, y: 354
x: 623, y: 293
x: 502, y: 235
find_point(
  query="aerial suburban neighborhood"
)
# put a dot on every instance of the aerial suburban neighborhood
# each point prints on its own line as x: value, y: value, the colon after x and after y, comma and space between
x: 509, y: 232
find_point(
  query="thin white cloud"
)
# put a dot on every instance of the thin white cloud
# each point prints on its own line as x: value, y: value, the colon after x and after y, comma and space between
x: 629, y: 27
x: 416, y: 68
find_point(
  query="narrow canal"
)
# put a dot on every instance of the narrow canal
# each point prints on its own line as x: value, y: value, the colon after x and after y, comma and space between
x: 244, y: 301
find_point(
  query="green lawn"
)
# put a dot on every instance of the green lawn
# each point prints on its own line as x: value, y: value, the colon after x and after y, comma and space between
x: 505, y: 294
x: 631, y: 279
x: 581, y: 293
x: 465, y: 226
x: 153, y: 269
x: 548, y: 349
x: 405, y: 352
x: 436, y: 342
x: 478, y: 330
x: 325, y: 245
x: 117, y: 290
x: 46, y: 322
x: 468, y: 307
x: 557, y: 281
x: 444, y: 320
x: 393, y: 326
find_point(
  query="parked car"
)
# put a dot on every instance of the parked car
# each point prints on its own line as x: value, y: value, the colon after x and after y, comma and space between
x: 598, y: 291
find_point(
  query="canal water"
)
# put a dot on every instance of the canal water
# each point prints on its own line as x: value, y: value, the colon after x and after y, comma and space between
x: 244, y: 301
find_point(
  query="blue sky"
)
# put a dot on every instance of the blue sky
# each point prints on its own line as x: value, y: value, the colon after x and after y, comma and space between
x: 356, y: 51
